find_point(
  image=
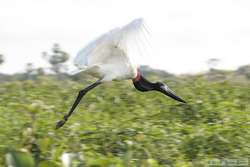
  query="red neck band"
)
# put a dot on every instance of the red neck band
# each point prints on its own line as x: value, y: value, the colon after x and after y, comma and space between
x: 138, y: 76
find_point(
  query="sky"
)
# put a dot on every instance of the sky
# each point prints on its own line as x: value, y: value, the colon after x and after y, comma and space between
x: 185, y: 34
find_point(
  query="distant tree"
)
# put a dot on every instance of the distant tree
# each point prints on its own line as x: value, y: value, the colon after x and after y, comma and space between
x: 244, y: 70
x: 57, y: 58
x: 1, y: 59
x: 40, y: 71
x: 29, y: 71
x: 213, y: 63
x: 29, y: 68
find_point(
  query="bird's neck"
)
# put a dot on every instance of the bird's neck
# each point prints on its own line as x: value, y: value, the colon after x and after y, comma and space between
x: 142, y: 84
x: 138, y: 75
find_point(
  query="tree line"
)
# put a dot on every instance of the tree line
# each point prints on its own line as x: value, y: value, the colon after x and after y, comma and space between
x: 56, y: 57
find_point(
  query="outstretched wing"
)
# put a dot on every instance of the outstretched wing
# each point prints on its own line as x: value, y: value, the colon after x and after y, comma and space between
x: 132, y: 39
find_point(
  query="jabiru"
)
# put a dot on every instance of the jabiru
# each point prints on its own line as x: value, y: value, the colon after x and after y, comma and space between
x: 112, y: 57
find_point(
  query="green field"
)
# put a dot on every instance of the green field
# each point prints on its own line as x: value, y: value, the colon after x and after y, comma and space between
x: 115, y: 125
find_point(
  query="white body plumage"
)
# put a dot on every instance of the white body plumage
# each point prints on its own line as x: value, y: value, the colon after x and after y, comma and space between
x: 114, y: 55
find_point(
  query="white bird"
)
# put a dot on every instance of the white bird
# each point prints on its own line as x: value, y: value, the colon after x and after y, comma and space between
x: 112, y: 56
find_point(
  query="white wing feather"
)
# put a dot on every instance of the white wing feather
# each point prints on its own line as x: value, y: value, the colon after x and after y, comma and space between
x: 132, y: 39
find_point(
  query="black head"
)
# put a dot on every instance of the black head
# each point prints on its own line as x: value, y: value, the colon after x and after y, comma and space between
x: 143, y: 85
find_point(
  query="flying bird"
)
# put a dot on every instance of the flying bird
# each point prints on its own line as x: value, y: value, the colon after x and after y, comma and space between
x: 112, y: 56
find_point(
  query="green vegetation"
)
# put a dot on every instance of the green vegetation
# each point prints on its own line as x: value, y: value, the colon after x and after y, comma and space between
x: 115, y: 125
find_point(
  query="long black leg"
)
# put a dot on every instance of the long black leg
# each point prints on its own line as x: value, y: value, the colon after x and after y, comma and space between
x: 77, y: 101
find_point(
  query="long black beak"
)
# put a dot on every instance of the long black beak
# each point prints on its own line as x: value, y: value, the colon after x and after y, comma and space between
x: 165, y: 90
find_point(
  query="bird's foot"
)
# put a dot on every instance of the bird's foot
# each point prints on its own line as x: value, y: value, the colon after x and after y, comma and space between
x: 59, y: 124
